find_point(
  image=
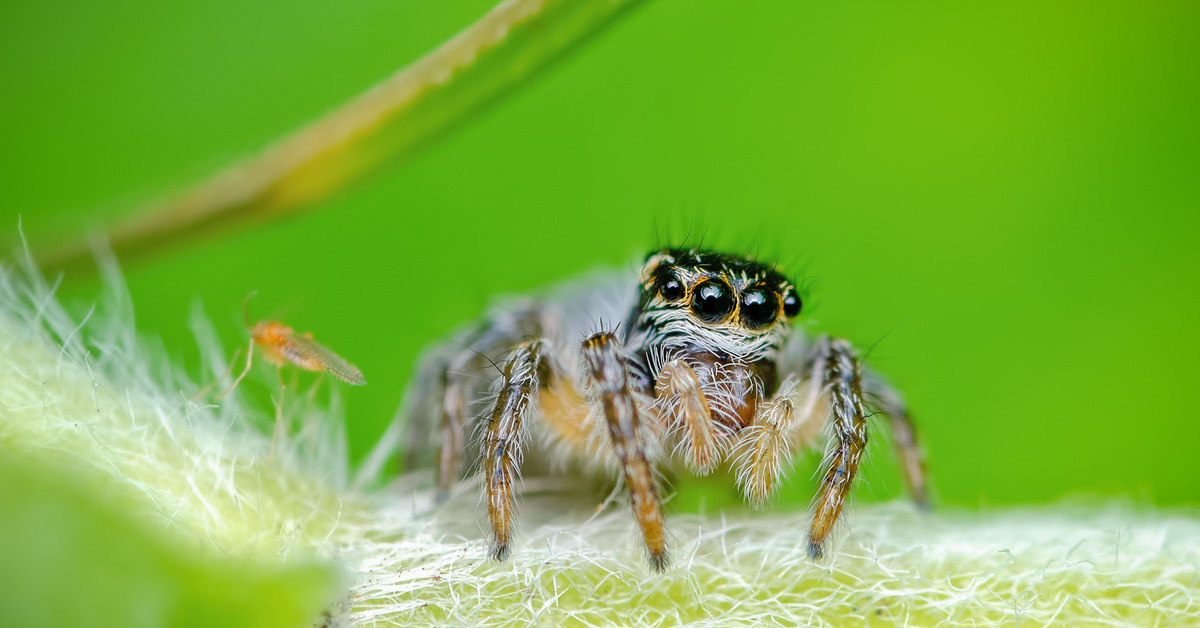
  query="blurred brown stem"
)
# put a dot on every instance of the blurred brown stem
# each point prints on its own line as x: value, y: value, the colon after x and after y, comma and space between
x: 390, y: 122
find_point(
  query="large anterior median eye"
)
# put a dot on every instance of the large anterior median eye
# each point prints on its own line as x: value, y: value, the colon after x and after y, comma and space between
x: 760, y: 306
x: 712, y: 300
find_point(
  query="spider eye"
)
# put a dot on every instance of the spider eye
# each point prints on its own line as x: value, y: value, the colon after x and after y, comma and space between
x: 712, y: 301
x: 760, y: 306
x: 791, y: 304
x: 668, y: 284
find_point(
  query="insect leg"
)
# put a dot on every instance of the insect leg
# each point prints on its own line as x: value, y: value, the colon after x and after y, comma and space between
x: 311, y: 423
x: 278, y: 413
x: 703, y: 439
x: 609, y: 376
x: 249, y: 358
x: 228, y: 371
x: 904, y: 433
x: 501, y: 440
x: 840, y: 372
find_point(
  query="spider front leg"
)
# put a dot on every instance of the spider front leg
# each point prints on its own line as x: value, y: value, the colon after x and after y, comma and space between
x: 608, y: 375
x: 792, y: 418
x: 840, y: 373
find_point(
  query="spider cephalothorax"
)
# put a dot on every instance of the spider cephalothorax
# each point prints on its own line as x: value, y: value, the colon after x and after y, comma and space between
x: 716, y: 322
x: 707, y: 370
x: 724, y: 304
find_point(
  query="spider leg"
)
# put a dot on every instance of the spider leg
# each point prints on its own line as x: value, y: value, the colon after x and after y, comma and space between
x: 421, y: 406
x: 904, y: 434
x: 703, y: 439
x: 437, y: 400
x: 440, y: 390
x: 447, y: 381
x: 458, y: 379
x: 501, y: 439
x: 609, y: 377
x: 840, y: 372
x: 454, y: 411
x: 763, y: 449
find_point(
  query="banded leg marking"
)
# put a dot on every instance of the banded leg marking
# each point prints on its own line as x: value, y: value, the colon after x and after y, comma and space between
x: 501, y: 443
x: 610, y: 378
x: 904, y: 434
x: 839, y: 369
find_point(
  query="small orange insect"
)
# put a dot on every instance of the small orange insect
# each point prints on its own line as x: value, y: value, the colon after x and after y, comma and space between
x: 281, y: 345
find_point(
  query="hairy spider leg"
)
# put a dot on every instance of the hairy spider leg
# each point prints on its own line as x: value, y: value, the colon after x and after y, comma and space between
x: 609, y: 377
x: 453, y: 417
x: 440, y: 391
x: 841, y: 374
x: 904, y: 435
x: 453, y: 411
x: 446, y: 395
x: 422, y: 402
x: 502, y: 440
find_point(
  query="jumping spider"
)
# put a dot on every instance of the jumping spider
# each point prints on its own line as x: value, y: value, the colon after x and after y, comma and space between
x: 704, y: 367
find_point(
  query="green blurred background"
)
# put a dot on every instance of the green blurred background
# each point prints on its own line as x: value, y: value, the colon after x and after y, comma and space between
x: 1011, y: 189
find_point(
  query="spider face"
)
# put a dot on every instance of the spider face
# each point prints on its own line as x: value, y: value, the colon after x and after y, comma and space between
x: 695, y: 300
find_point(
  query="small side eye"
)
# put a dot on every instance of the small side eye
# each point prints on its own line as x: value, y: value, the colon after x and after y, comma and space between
x: 669, y: 286
x: 791, y: 304
x: 712, y: 301
x: 760, y: 306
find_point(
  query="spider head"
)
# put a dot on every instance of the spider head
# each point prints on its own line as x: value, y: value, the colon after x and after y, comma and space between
x: 715, y: 302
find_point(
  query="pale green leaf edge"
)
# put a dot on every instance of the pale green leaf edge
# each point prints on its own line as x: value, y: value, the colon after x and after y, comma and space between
x: 86, y: 398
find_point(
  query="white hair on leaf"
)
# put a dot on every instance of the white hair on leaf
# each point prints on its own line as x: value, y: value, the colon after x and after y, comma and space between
x: 202, y: 475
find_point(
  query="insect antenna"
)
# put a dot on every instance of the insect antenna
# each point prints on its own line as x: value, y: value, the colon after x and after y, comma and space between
x: 246, y: 308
